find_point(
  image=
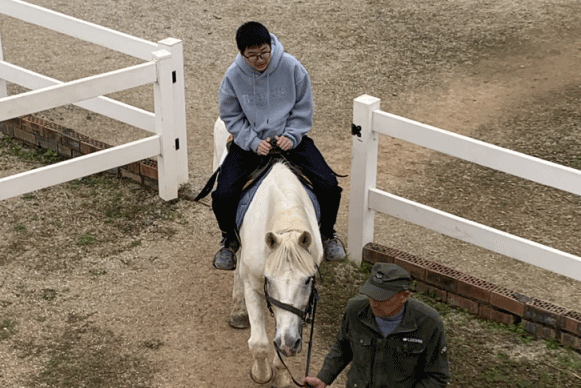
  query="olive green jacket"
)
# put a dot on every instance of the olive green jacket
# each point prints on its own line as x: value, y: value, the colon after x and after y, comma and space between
x: 413, y: 356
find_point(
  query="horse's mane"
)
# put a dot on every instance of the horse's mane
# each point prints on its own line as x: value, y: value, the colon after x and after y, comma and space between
x: 289, y: 256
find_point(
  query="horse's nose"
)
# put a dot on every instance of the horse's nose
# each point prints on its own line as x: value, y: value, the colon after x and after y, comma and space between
x: 298, y: 345
x: 290, y: 346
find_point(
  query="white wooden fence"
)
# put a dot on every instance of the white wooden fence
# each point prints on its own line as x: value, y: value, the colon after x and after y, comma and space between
x: 366, y: 199
x: 163, y: 68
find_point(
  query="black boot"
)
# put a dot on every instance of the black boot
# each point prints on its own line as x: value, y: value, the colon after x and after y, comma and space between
x: 225, y: 258
x: 333, y: 248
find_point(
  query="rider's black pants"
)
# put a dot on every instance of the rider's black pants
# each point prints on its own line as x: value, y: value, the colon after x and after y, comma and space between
x: 239, y: 164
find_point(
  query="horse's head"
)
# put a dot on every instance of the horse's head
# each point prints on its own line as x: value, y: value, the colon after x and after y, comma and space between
x: 289, y: 286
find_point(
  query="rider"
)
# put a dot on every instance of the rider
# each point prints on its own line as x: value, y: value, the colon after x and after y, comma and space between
x: 266, y: 95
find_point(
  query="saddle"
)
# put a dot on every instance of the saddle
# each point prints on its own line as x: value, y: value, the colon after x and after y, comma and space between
x: 255, y: 178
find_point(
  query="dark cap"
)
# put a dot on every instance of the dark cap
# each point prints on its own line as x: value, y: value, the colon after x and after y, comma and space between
x: 385, y: 281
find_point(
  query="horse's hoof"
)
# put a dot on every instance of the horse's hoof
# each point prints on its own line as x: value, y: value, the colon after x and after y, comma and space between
x: 265, y: 381
x: 239, y: 322
x: 281, y: 379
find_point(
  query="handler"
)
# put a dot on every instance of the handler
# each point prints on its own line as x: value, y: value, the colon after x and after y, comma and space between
x: 392, y: 340
x: 266, y: 94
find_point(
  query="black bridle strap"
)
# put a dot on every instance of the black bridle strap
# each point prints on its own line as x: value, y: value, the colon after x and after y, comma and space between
x: 304, y: 315
x: 287, y: 307
x: 310, y: 349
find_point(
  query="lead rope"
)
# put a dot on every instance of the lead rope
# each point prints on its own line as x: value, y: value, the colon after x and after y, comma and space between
x: 315, y: 298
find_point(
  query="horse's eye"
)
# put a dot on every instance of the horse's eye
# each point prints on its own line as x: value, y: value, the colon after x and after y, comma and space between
x: 307, y: 281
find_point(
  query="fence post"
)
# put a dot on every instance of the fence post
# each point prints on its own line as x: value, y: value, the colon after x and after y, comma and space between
x: 363, y: 177
x: 164, y: 126
x: 175, y: 47
x: 3, y: 90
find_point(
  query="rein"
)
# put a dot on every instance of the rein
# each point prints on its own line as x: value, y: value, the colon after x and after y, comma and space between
x: 308, y: 315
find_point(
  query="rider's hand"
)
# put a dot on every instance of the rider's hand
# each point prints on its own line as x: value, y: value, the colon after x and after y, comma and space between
x: 264, y: 147
x: 313, y: 382
x: 283, y: 143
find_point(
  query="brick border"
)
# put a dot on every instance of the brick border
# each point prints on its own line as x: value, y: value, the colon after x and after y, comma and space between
x: 68, y: 143
x: 494, y: 303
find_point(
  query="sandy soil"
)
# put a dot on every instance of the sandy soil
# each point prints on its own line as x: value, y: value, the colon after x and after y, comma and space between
x: 502, y: 71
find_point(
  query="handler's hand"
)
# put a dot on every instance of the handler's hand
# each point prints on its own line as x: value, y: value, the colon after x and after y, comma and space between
x: 313, y: 382
x: 283, y: 143
x: 263, y: 147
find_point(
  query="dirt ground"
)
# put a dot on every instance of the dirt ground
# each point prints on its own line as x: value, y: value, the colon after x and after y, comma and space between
x: 105, y: 266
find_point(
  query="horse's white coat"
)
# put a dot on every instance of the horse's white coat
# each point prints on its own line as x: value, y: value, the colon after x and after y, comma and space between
x: 220, y: 139
x: 280, y: 240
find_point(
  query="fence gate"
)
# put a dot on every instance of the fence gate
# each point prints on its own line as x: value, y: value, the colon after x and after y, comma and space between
x: 163, y: 68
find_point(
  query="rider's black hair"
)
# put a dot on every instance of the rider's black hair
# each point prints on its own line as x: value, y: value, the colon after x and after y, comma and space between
x: 251, y: 34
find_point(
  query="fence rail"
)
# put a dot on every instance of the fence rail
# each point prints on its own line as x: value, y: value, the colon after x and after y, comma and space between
x: 105, y: 106
x: 39, y: 178
x: 163, y: 69
x: 366, y: 199
x: 89, y: 32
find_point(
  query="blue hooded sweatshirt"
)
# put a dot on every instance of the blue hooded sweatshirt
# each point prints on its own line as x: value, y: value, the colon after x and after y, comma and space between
x: 255, y: 106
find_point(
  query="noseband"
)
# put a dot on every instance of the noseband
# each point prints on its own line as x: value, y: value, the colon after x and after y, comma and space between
x: 306, y: 316
x: 303, y: 315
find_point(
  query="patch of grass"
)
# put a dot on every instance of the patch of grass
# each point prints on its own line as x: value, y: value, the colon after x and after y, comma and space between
x: 26, y: 152
x: 7, y: 328
x: 114, y: 206
x: 339, y: 281
x: 48, y: 294
x: 570, y: 361
x: 521, y: 333
x: 552, y: 344
x: 97, y: 272
x: 126, y: 208
x: 86, y: 239
x: 88, y: 356
x: 28, y: 197
x: 153, y: 344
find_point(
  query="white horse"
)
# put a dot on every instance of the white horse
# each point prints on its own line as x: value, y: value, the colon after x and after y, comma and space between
x: 280, y: 252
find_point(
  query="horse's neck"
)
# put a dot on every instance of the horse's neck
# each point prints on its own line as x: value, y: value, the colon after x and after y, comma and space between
x: 292, y: 218
x: 287, y: 200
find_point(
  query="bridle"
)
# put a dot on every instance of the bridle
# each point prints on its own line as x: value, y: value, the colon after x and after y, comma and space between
x: 307, y: 316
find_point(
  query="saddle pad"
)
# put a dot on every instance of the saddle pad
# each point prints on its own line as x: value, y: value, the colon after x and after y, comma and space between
x: 248, y: 195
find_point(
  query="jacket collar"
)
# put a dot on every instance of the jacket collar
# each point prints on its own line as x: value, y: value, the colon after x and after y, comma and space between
x: 408, y: 323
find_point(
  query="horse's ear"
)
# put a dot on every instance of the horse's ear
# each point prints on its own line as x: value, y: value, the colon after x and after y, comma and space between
x: 305, y: 240
x: 272, y: 240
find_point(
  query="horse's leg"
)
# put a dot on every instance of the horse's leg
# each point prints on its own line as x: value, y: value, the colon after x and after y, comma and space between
x: 258, y: 342
x: 238, y: 316
x: 281, y: 375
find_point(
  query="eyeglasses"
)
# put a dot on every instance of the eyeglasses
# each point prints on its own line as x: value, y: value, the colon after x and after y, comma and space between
x: 255, y: 57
